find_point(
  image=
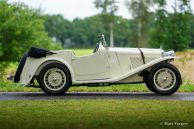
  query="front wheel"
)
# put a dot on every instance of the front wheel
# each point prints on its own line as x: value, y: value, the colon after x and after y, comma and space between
x: 164, y: 79
x: 54, y: 79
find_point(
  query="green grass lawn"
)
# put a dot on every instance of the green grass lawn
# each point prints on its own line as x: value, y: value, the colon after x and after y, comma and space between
x: 95, y: 114
x: 82, y: 52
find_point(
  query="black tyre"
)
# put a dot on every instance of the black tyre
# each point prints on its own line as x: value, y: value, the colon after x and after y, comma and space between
x: 164, y: 79
x: 149, y: 86
x: 145, y: 75
x: 54, y: 79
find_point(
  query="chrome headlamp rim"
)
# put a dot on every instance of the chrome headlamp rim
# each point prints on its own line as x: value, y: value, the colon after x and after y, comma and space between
x: 169, y: 53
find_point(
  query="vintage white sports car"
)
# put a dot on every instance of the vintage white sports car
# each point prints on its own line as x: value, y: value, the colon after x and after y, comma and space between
x: 56, y: 71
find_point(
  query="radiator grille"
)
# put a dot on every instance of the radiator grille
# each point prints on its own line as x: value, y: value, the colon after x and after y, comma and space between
x: 147, y: 60
x: 136, y: 62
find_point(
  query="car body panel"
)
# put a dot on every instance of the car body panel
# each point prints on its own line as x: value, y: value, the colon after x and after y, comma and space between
x: 112, y: 65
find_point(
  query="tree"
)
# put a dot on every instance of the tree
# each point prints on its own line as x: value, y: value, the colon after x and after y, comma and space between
x: 21, y: 28
x: 83, y: 32
x: 109, y: 8
x: 192, y: 43
x: 172, y: 30
x: 58, y: 28
x: 141, y: 13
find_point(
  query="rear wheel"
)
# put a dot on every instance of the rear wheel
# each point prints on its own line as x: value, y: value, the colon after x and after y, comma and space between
x: 54, y: 79
x: 164, y: 79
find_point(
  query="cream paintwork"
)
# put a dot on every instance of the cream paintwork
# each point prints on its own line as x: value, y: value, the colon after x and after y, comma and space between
x: 112, y: 65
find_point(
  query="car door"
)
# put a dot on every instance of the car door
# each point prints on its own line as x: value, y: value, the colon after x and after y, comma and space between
x: 91, y: 67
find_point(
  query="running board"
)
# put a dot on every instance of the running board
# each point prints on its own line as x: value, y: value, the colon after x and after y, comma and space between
x: 103, y: 84
x: 98, y: 84
x: 93, y: 84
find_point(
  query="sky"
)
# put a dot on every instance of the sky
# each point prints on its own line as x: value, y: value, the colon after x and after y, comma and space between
x: 71, y: 9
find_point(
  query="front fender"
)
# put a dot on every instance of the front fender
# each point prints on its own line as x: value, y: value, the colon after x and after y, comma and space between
x: 143, y: 67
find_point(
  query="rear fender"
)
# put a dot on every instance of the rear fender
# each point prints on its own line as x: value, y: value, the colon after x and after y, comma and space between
x: 33, y: 67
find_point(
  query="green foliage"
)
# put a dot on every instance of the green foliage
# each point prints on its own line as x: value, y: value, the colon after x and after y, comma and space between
x: 82, y: 33
x: 7, y: 68
x: 139, y: 8
x: 58, y: 28
x: 141, y: 13
x: 107, y: 6
x: 172, y: 30
x: 21, y: 28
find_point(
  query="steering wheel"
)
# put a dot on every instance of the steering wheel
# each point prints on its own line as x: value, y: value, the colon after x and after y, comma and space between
x: 96, y: 48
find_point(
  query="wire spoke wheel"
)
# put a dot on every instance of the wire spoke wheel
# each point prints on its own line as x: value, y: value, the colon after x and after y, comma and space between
x: 55, y: 79
x: 164, y: 79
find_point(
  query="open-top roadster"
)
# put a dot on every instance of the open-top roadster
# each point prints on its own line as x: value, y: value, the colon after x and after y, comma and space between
x: 56, y: 71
